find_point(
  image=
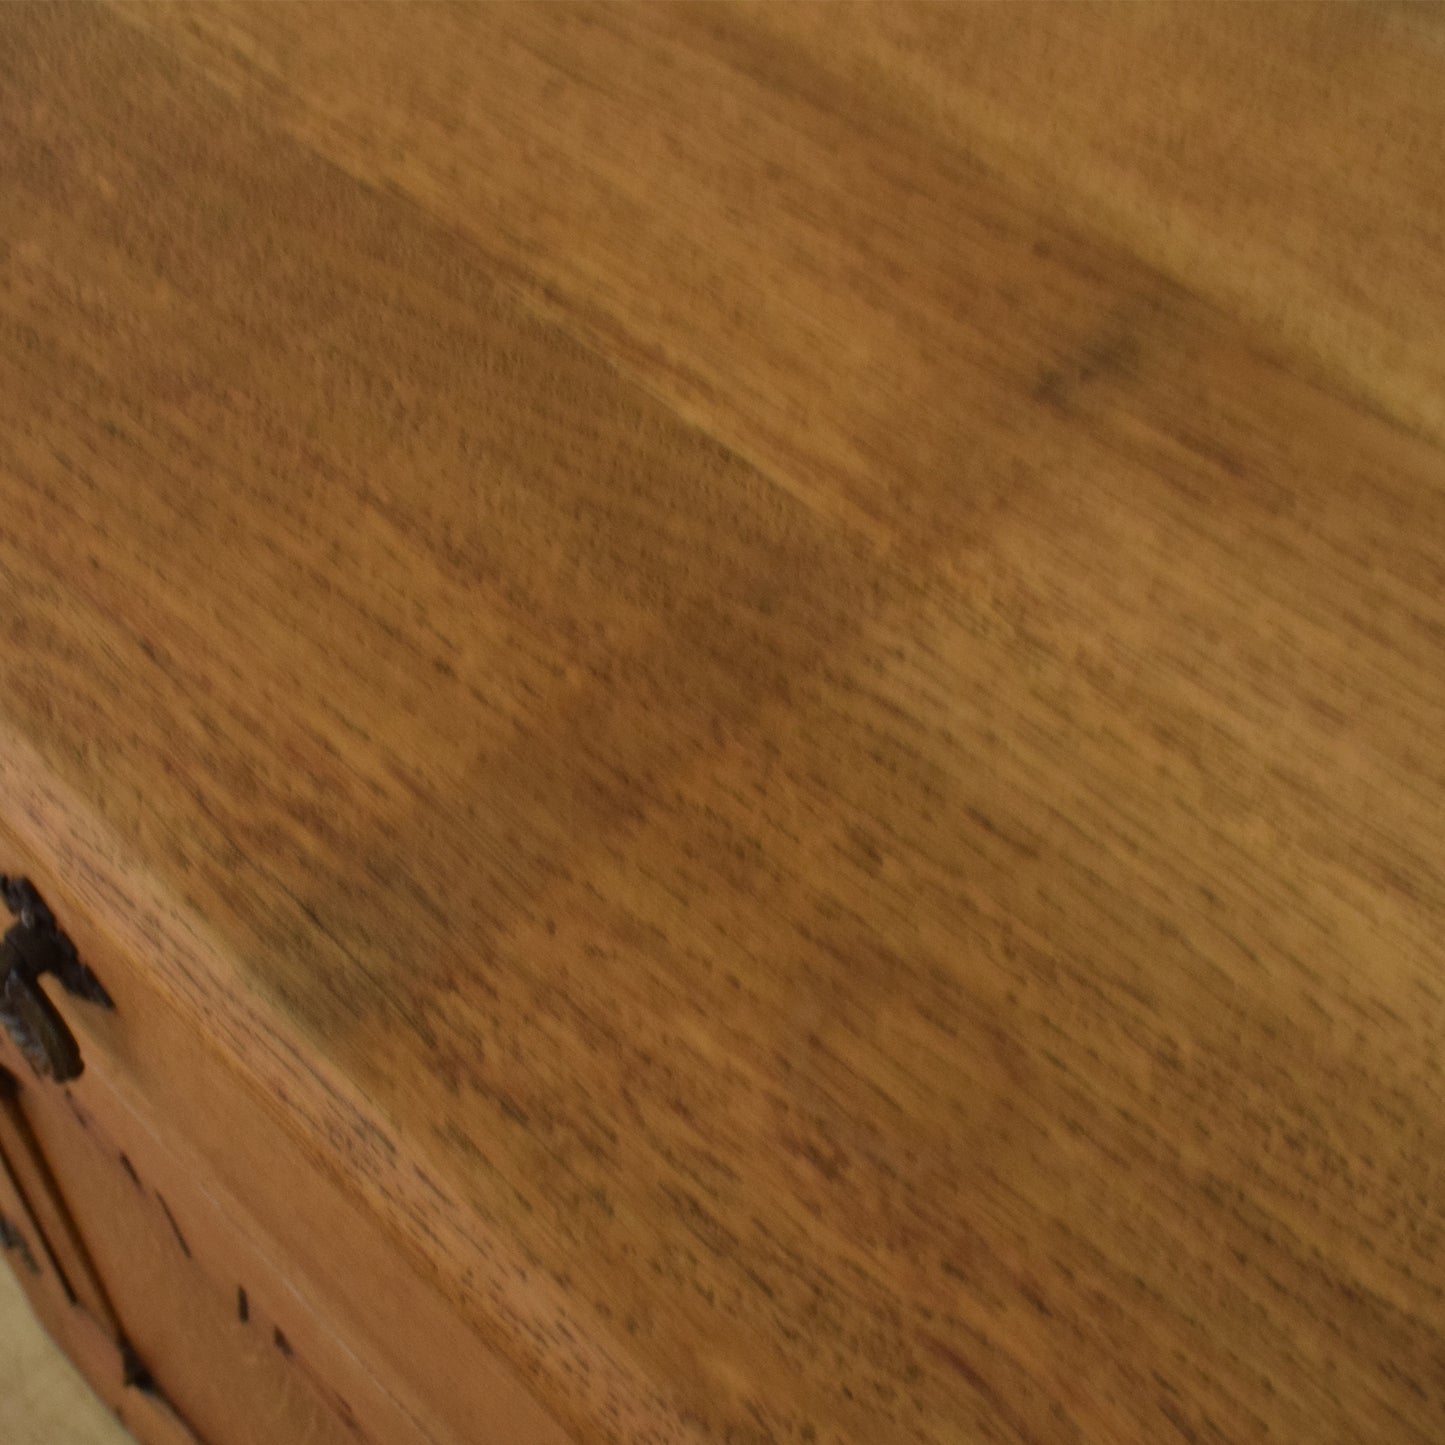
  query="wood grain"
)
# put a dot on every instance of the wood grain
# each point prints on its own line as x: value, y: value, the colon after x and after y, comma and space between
x: 829, y: 741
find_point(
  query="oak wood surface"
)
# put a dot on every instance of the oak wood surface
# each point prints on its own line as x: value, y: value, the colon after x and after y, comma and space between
x: 798, y: 655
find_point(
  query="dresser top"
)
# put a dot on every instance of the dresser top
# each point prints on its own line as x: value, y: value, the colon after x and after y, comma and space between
x: 803, y: 652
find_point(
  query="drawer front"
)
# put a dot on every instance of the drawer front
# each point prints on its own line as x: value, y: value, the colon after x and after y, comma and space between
x: 169, y: 1076
x: 170, y: 1305
x: 207, y: 1343
x: 43, y: 1247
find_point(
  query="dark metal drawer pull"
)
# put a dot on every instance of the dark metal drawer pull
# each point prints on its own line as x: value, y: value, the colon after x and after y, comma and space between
x: 35, y: 945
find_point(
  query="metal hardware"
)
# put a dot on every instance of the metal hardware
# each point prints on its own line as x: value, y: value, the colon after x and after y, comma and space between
x: 33, y: 946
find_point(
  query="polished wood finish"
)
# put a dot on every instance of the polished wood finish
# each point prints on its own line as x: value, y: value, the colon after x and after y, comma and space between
x: 769, y: 701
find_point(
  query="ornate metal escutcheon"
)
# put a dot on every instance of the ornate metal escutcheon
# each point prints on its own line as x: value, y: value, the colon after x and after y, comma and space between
x: 35, y: 945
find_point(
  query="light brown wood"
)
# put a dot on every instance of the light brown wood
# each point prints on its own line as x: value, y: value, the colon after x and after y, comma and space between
x: 88, y: 1340
x: 234, y: 1381
x: 772, y: 700
x: 256, y: 1214
x: 33, y: 1172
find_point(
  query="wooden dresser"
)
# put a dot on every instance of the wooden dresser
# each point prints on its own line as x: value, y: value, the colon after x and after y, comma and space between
x: 726, y: 726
